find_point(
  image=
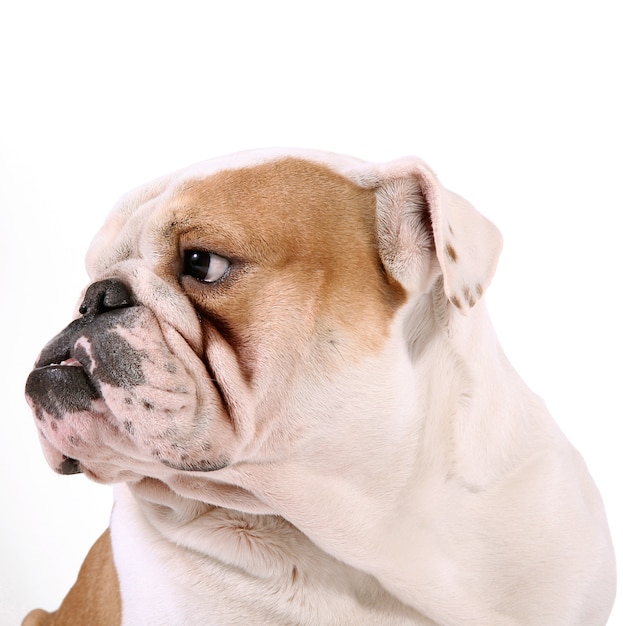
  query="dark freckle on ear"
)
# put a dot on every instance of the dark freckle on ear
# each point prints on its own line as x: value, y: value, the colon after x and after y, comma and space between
x: 148, y: 405
x: 129, y: 400
x: 129, y: 426
x: 450, y: 229
x: 53, y: 425
x: 451, y: 252
x: 456, y: 302
x: 468, y: 296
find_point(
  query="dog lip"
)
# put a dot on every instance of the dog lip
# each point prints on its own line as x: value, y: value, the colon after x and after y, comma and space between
x: 58, y: 359
x: 60, y: 389
x: 69, y: 466
x: 69, y: 362
x: 59, y: 348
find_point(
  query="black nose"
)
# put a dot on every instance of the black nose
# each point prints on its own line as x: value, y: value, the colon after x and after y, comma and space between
x: 106, y: 295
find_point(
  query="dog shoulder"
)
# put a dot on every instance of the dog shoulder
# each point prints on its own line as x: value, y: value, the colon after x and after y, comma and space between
x: 95, y: 596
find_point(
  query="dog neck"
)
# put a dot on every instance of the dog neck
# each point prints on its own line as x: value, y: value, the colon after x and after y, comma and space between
x: 469, y: 380
x: 211, y: 564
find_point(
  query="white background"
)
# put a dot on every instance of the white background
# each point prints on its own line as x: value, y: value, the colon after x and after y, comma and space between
x: 517, y: 106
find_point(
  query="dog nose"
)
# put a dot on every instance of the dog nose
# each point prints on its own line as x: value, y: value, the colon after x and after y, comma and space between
x: 106, y: 295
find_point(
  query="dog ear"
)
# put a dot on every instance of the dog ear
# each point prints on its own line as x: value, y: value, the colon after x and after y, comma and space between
x: 420, y: 222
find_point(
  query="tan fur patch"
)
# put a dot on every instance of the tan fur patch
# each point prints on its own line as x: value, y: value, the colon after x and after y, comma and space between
x: 94, y: 599
x: 302, y: 240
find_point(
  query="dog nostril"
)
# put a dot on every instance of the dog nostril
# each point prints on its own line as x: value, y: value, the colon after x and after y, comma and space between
x: 106, y: 295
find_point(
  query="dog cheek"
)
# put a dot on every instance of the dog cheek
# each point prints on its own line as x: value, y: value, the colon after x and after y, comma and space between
x: 151, y: 408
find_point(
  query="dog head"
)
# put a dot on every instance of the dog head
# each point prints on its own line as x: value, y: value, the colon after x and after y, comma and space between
x: 244, y: 305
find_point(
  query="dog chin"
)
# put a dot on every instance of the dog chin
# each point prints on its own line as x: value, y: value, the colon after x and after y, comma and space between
x: 59, y: 462
x: 53, y: 390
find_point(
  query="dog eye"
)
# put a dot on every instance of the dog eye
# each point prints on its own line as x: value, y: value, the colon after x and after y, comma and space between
x: 205, y: 266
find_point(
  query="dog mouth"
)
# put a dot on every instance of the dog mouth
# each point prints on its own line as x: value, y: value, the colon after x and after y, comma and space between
x: 58, y: 351
x: 68, y: 362
x: 57, y: 386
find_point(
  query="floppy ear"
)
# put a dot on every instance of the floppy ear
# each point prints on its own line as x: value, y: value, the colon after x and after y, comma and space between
x: 420, y: 222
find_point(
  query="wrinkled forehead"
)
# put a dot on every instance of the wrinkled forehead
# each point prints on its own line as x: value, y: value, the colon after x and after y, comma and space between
x: 311, y: 192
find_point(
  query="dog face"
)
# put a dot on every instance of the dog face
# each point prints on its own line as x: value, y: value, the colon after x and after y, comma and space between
x: 242, y: 307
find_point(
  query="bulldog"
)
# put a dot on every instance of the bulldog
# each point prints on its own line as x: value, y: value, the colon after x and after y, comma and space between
x: 285, y: 366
